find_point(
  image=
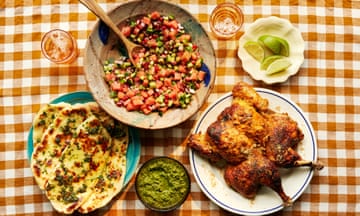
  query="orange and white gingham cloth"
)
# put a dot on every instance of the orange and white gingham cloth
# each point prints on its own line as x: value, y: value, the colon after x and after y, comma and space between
x: 327, y: 88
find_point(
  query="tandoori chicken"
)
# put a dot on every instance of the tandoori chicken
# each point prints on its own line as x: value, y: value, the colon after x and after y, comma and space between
x: 254, y: 141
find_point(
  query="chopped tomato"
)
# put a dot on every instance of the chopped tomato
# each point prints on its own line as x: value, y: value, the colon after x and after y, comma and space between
x: 172, y: 24
x: 144, y: 94
x: 146, y: 110
x: 136, y: 31
x: 137, y: 100
x: 146, y: 20
x: 194, y: 56
x: 201, y: 75
x: 150, y: 92
x: 173, y: 95
x: 115, y: 86
x: 130, y: 93
x: 186, y: 56
x: 121, y: 95
x: 182, y: 69
x: 194, y: 75
x: 150, y: 101
x: 141, y: 74
x: 165, y: 69
x: 167, y: 81
x: 166, y: 33
x: 155, y: 15
x: 126, y: 30
x: 163, y: 109
x: 185, y: 38
x: 110, y: 77
x: 177, y: 76
x: 153, y: 57
x: 163, y: 73
x: 172, y: 34
x: 152, y: 43
x: 159, y: 84
x: 131, y: 107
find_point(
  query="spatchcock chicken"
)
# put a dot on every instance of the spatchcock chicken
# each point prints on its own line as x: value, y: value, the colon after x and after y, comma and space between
x: 254, y: 142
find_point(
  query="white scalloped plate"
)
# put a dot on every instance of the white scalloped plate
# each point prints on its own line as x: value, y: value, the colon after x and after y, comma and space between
x: 295, y: 180
x: 278, y: 27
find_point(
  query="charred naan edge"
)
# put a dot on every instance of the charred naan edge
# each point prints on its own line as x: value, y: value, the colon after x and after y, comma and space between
x: 44, y: 118
x: 55, y: 139
x: 112, y: 181
x: 80, y: 168
x: 107, y: 121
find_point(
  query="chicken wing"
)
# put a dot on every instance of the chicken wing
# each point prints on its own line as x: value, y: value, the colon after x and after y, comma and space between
x: 245, y: 92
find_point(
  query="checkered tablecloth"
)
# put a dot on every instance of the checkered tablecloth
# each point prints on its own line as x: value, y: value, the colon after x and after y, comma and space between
x: 327, y: 88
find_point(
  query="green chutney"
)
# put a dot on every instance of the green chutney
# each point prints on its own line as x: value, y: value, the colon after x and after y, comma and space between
x: 162, y: 183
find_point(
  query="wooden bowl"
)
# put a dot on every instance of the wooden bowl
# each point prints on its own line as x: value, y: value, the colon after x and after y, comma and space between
x: 96, y: 52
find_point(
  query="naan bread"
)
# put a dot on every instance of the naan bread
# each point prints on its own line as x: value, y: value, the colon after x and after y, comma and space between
x: 113, y: 178
x: 65, y: 148
x: 44, y: 118
x: 81, y: 166
x: 57, y: 136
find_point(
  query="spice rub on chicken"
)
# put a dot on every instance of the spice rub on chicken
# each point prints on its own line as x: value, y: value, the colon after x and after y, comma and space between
x: 253, y: 141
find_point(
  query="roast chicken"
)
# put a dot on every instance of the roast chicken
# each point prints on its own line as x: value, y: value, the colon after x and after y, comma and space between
x: 253, y: 142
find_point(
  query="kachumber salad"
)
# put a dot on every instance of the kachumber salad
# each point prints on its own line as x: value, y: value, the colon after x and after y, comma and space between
x: 167, y: 73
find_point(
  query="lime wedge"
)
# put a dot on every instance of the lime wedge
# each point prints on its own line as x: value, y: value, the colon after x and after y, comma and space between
x: 278, y: 66
x: 277, y: 45
x: 268, y: 60
x: 271, y: 43
x: 285, y: 48
x: 255, y: 50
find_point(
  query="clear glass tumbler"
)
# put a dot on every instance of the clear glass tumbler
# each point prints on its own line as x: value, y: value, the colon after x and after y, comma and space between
x: 59, y: 46
x: 226, y: 20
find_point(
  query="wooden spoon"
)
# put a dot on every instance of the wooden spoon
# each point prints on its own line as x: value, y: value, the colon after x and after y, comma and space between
x: 94, y: 7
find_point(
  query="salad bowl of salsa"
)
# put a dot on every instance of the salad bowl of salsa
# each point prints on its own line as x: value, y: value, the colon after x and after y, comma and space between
x: 172, y: 76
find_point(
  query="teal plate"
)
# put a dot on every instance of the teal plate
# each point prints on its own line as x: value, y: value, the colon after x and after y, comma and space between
x: 133, y: 151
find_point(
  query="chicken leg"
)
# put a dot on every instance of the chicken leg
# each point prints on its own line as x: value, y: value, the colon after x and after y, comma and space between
x: 247, y: 177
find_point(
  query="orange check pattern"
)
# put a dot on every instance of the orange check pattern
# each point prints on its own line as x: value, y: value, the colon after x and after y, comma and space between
x: 327, y: 88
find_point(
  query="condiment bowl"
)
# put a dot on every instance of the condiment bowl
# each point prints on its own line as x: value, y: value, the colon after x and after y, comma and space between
x: 162, y: 184
x: 278, y: 27
x: 103, y: 44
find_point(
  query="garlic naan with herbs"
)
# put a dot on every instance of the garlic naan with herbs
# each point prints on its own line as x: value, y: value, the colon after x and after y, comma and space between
x: 111, y: 182
x: 55, y: 139
x: 80, y: 159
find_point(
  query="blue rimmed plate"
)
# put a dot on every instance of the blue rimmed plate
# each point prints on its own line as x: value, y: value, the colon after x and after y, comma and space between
x: 133, y: 151
x: 295, y: 181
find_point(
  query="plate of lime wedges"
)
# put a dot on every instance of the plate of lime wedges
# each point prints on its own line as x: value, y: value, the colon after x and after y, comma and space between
x: 271, y: 50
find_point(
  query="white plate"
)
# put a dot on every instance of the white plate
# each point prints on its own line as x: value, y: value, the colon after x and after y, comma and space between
x: 278, y: 27
x: 295, y: 180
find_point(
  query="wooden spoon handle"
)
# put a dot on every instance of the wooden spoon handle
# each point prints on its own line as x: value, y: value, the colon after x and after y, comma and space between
x: 94, y: 7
